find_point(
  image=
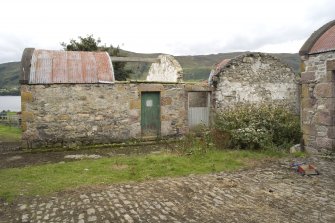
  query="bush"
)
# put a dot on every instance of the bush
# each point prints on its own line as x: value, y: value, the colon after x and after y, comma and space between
x: 197, y: 142
x: 249, y: 126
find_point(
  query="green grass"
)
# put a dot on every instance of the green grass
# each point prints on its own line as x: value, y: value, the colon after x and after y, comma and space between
x: 9, y: 134
x: 49, y: 178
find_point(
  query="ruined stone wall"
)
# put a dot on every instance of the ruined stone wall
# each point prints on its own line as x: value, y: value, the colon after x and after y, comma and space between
x: 317, y: 102
x: 168, y: 70
x: 78, y: 114
x: 255, y: 78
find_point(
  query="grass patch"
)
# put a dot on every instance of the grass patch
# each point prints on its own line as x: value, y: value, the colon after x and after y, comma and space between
x: 10, y: 134
x: 49, y: 178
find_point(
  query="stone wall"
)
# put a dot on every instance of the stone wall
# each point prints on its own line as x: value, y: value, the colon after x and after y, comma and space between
x: 317, y: 102
x: 168, y: 70
x: 78, y: 114
x: 255, y: 78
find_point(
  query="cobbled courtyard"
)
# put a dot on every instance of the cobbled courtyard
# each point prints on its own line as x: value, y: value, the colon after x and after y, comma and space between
x: 272, y: 192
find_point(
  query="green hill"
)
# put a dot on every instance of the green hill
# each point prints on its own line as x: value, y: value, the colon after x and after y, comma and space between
x: 199, y: 67
x: 195, y: 68
x: 9, y: 78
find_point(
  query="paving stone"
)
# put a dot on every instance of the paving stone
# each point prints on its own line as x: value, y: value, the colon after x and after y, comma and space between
x: 92, y: 218
x: 128, y: 218
x: 90, y: 211
x: 270, y: 193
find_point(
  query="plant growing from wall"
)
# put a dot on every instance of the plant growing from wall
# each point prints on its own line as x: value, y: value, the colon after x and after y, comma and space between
x: 89, y: 43
x: 249, y: 126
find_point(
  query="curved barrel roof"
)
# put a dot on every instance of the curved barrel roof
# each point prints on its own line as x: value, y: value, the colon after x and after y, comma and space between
x: 53, y: 67
x: 322, y: 40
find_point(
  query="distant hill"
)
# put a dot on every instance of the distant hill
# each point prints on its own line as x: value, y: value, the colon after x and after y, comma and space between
x: 195, y: 68
x: 9, y: 78
x: 198, y: 67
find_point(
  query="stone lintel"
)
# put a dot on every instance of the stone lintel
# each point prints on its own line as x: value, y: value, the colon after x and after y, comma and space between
x: 151, y: 87
x: 197, y: 87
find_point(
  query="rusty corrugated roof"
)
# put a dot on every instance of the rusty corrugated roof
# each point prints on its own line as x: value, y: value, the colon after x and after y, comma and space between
x: 325, y: 43
x: 50, y: 66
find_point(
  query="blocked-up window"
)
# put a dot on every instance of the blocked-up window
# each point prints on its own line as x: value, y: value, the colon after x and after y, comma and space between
x: 198, y: 99
x: 198, y: 108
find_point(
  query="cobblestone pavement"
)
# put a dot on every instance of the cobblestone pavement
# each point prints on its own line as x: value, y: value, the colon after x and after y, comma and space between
x: 271, y: 193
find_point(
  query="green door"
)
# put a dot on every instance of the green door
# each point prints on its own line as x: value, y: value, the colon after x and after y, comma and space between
x: 150, y: 114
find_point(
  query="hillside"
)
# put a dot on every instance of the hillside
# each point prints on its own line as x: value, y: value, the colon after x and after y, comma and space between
x: 9, y: 78
x: 195, y: 68
x: 198, y: 67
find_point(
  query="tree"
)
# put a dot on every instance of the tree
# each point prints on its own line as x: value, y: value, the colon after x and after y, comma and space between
x: 89, y: 43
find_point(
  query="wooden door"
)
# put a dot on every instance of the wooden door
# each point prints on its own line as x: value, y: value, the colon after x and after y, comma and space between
x: 150, y: 114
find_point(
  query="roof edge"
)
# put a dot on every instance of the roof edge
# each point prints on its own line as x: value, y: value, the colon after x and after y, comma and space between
x: 248, y: 54
x: 26, y: 64
x: 304, y: 50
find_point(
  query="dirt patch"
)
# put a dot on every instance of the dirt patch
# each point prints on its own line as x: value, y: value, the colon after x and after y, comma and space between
x: 20, y: 159
x: 119, y: 166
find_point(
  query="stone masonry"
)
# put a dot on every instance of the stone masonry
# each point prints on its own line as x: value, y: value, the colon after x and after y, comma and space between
x: 79, y: 114
x: 269, y: 193
x: 254, y: 78
x: 317, y: 102
x: 168, y: 70
x: 318, y: 90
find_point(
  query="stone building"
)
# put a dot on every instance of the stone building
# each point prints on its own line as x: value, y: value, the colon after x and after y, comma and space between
x: 254, y: 78
x: 318, y: 89
x: 71, y: 99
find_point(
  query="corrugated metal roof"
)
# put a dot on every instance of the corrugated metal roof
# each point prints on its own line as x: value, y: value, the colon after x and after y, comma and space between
x: 325, y: 43
x: 49, y: 66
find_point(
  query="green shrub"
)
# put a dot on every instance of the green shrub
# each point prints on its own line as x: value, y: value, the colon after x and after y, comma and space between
x: 249, y: 126
x: 197, y: 142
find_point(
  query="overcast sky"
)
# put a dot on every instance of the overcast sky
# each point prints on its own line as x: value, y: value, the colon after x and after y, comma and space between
x: 177, y: 27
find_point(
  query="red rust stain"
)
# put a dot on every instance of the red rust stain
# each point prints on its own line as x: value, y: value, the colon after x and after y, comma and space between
x: 48, y: 66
